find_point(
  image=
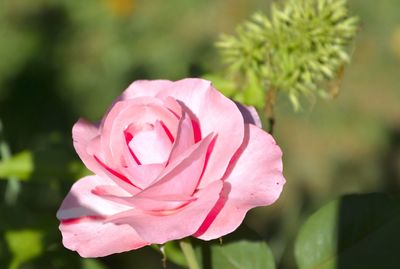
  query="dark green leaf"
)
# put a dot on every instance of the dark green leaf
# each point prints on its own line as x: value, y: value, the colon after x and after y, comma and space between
x: 353, y: 232
x: 242, y: 255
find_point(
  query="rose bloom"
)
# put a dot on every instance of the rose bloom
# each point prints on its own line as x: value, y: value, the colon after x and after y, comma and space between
x: 170, y: 160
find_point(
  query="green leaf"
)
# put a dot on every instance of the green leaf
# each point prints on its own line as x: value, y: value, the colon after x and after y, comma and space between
x: 19, y: 166
x: 353, y: 232
x: 242, y: 255
x: 24, y: 246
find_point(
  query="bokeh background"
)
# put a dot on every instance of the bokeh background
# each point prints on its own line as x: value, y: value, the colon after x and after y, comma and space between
x: 61, y: 60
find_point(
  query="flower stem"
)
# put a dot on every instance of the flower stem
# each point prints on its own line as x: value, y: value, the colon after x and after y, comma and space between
x: 270, y: 100
x: 188, y: 252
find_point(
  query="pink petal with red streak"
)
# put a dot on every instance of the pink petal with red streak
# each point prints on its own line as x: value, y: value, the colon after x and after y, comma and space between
x: 255, y: 179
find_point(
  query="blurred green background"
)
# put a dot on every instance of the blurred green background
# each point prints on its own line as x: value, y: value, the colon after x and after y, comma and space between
x: 61, y: 60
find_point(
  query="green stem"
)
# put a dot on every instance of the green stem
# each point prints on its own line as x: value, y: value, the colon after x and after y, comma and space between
x: 188, y: 252
x: 270, y: 100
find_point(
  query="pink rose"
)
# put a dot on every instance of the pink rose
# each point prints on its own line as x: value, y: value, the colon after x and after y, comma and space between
x: 170, y: 160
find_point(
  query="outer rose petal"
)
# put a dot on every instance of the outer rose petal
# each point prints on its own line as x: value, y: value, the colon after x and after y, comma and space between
x: 160, y: 228
x: 255, y: 180
x: 82, y: 202
x: 249, y: 114
x: 215, y: 113
x: 95, y: 238
x: 83, y: 133
x: 146, y: 88
x: 82, y: 216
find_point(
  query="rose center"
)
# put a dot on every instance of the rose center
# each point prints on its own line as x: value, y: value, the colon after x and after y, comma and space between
x: 150, y: 144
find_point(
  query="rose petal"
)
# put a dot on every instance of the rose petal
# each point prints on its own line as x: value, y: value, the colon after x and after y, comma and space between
x: 95, y: 238
x: 83, y: 133
x: 81, y: 202
x: 143, y: 175
x: 146, y: 88
x: 215, y: 113
x: 140, y: 175
x: 182, y: 175
x: 94, y: 151
x: 249, y: 114
x: 184, y: 138
x: 255, y: 180
x: 82, y: 216
x: 155, y: 204
x: 86, y: 141
x: 151, y: 146
x: 160, y: 228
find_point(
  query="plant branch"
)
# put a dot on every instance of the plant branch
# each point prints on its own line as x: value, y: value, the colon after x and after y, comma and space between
x: 270, y: 100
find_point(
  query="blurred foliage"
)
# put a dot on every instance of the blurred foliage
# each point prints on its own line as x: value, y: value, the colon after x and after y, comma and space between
x: 64, y: 59
x: 19, y: 166
x: 302, y: 45
x: 92, y: 264
x: 353, y: 232
x: 24, y: 245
